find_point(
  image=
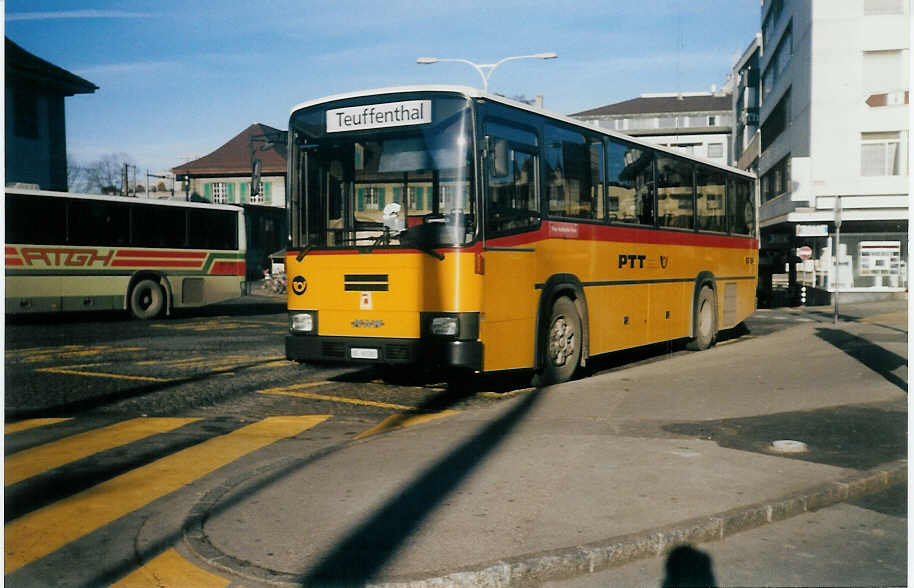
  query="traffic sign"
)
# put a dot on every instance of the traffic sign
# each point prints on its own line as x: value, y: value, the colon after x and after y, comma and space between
x: 804, y: 252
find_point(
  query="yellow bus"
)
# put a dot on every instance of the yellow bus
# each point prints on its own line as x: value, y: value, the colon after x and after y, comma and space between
x: 446, y: 228
x: 71, y: 252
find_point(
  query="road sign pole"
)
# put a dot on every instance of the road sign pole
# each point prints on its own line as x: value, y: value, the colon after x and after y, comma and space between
x: 837, y: 252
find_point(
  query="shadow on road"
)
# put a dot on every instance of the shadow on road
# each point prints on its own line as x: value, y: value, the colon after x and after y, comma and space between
x: 362, y: 554
x: 877, y: 358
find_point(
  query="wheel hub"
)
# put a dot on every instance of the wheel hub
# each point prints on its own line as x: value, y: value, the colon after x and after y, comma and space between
x: 561, y: 341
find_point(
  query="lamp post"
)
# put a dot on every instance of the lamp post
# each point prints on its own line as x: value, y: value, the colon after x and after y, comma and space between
x: 485, y: 69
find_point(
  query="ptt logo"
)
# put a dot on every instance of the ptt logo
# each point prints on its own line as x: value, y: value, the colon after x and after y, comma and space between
x: 633, y: 261
x: 299, y: 285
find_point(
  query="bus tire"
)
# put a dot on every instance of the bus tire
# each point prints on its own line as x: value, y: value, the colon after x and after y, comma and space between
x: 704, y: 321
x: 147, y: 300
x: 561, y: 343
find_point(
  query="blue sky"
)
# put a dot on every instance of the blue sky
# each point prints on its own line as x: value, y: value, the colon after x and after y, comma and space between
x: 177, y: 79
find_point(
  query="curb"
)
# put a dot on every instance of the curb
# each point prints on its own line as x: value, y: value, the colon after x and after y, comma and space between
x: 600, y: 555
x: 574, y: 561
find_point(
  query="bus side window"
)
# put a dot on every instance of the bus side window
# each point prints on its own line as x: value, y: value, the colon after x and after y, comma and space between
x: 98, y: 223
x: 511, y: 200
x: 39, y: 220
x: 631, y: 184
x: 674, y: 193
x: 741, y: 207
x: 711, y: 197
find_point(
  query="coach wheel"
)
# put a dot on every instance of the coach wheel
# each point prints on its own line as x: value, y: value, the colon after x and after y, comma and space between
x: 705, y: 320
x: 561, y: 343
x: 147, y: 299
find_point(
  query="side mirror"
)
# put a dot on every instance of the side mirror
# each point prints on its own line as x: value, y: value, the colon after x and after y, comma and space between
x: 499, y: 157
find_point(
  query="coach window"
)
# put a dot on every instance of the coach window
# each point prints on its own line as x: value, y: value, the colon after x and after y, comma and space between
x: 52, y: 212
x: 674, y: 193
x: 711, y: 198
x: 98, y: 223
x: 631, y: 184
x: 158, y: 226
x: 213, y: 229
x: 573, y: 174
x: 741, y: 207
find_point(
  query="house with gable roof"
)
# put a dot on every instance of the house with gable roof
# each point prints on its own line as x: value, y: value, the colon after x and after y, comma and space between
x: 224, y: 176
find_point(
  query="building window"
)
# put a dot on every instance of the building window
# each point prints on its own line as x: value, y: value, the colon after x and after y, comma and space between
x: 879, y: 154
x: 220, y: 192
x: 777, y: 122
x: 715, y: 150
x: 779, y: 62
x: 877, y: 7
x: 258, y: 197
x: 712, y: 121
x: 776, y: 182
x: 771, y: 19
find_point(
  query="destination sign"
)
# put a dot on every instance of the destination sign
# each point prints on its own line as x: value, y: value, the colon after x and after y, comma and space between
x: 378, y: 116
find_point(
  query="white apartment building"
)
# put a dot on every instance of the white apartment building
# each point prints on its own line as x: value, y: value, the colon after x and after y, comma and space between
x: 696, y: 123
x: 834, y: 124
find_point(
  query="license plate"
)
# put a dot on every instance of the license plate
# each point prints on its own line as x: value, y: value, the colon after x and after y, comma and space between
x: 363, y: 353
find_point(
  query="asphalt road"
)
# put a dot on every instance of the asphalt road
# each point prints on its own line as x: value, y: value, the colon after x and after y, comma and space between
x: 217, y: 372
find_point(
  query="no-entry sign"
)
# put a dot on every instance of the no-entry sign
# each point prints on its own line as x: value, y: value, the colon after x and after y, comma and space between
x: 804, y: 252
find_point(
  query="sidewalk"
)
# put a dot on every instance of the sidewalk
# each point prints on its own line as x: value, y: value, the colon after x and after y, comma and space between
x: 564, y: 480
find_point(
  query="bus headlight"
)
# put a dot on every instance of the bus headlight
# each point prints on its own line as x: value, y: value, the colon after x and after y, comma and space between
x: 445, y: 325
x: 302, y: 321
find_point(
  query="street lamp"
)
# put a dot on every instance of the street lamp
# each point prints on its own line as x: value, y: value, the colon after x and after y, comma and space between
x: 485, y: 69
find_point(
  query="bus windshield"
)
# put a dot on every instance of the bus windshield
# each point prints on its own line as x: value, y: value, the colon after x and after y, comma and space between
x: 403, y: 186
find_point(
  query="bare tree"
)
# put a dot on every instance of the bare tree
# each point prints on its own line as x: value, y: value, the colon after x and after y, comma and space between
x: 104, y: 176
x: 76, y: 175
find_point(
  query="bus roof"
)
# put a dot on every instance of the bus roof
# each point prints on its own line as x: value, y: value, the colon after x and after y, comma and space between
x: 472, y: 92
x: 181, y: 203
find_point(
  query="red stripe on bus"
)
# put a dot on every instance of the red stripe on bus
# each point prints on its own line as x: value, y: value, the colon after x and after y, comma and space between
x: 588, y: 232
x: 155, y: 263
x: 616, y: 233
x: 161, y: 253
x: 12, y: 250
x: 228, y: 268
x: 14, y: 261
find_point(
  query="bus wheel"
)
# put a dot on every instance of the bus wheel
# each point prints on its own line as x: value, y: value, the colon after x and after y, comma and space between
x: 147, y: 299
x: 561, y: 344
x: 705, y: 321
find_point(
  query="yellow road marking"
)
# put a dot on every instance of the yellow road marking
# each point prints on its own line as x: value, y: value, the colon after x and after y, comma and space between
x: 294, y: 391
x: 39, y: 354
x: 43, y: 531
x: 43, y: 458
x: 30, y: 424
x: 72, y: 372
x: 401, y: 421
x: 508, y: 394
x: 900, y: 316
x: 170, y: 569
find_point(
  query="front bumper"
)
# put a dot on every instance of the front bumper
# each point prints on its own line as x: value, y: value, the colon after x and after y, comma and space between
x: 425, y: 352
